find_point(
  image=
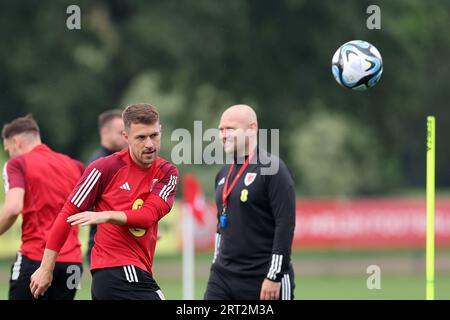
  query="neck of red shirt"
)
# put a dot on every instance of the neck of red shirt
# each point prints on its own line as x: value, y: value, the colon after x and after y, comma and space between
x: 138, y: 165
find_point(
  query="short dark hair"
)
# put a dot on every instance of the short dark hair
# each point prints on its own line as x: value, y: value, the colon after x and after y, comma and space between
x: 107, y: 116
x: 20, y: 125
x: 140, y: 113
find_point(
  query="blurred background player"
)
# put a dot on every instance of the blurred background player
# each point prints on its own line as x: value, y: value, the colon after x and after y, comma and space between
x: 131, y: 191
x: 256, y: 214
x: 110, y: 126
x: 37, y: 184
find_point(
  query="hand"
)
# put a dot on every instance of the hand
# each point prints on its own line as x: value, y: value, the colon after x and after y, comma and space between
x: 41, y: 280
x: 270, y: 290
x: 88, y: 217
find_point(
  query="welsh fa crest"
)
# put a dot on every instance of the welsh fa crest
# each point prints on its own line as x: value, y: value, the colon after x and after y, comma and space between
x: 249, y: 178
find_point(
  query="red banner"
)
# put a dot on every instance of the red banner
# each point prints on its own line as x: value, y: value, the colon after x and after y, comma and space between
x: 363, y: 223
x: 375, y: 223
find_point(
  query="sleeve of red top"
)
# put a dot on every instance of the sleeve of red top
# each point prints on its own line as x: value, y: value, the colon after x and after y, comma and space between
x: 61, y: 228
x: 14, y: 173
x: 158, y: 203
x: 152, y: 211
x: 91, y: 184
x: 82, y: 198
x: 166, y: 187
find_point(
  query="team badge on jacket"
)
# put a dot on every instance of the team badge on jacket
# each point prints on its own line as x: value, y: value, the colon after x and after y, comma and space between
x: 249, y: 178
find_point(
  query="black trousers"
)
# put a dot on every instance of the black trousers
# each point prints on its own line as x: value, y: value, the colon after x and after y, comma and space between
x: 224, y: 285
x: 66, y: 279
x: 124, y: 283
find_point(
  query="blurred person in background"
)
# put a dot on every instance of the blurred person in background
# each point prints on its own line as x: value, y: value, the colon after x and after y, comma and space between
x: 110, y: 126
x: 256, y: 218
x: 37, y: 183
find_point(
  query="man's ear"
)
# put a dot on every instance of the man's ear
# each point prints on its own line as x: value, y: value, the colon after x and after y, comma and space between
x: 125, y: 134
x: 103, y: 131
x: 252, y: 130
x: 17, y: 141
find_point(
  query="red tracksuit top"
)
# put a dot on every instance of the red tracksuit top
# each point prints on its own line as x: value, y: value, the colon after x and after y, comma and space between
x: 117, y: 183
x: 48, y: 178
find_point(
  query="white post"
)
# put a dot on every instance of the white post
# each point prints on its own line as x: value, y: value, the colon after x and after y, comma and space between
x: 188, y: 253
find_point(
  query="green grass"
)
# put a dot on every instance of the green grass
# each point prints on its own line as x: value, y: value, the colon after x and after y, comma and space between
x: 312, y: 288
x: 403, y: 287
x: 168, y: 275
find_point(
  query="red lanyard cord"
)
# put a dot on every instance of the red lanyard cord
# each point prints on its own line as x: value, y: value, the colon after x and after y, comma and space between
x: 227, y: 191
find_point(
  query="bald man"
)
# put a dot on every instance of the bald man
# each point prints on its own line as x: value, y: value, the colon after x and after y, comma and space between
x: 256, y: 217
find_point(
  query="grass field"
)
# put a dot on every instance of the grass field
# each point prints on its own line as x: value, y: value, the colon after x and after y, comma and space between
x: 348, y: 284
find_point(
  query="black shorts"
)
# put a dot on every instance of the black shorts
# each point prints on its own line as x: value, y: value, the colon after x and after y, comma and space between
x: 124, y: 283
x: 223, y: 285
x: 66, y: 280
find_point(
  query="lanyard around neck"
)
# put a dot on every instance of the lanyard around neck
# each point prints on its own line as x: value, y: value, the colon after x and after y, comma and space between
x: 226, y: 191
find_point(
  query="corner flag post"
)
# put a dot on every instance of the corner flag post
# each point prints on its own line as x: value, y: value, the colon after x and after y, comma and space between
x: 431, y: 148
x: 188, y: 253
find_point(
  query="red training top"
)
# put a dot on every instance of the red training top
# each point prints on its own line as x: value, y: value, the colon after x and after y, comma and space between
x: 117, y: 183
x: 48, y: 178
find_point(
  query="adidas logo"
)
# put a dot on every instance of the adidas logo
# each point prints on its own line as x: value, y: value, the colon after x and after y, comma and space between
x: 125, y: 186
x: 153, y: 184
x: 222, y: 181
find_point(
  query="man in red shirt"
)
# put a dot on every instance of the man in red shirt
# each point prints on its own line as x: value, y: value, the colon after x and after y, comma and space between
x: 37, y: 183
x: 130, y: 191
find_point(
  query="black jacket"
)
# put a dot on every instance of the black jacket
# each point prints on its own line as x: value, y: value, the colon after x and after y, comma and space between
x: 261, y: 219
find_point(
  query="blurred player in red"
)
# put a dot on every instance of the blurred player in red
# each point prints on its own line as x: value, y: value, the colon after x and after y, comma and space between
x: 37, y: 183
x: 130, y: 191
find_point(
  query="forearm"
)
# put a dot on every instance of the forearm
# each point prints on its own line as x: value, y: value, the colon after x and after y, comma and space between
x: 49, y: 259
x: 11, y: 209
x: 6, y: 221
x: 281, y: 249
x: 115, y: 217
x: 60, y: 230
x: 284, y: 214
x: 150, y: 213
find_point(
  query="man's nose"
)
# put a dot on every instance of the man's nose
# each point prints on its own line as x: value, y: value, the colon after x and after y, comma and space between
x: 224, y: 134
x: 148, y: 142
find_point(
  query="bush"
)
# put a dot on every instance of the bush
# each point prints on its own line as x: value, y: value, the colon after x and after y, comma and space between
x: 334, y: 155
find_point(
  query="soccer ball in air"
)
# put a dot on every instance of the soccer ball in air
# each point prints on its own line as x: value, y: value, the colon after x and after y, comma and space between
x: 357, y: 65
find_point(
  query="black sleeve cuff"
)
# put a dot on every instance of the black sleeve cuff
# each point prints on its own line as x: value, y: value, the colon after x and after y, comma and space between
x: 277, y: 278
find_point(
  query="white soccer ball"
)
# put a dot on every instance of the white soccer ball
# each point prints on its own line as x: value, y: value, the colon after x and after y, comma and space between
x: 357, y: 65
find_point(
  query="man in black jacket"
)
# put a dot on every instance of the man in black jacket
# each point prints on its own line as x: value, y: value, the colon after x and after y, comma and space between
x: 256, y: 217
